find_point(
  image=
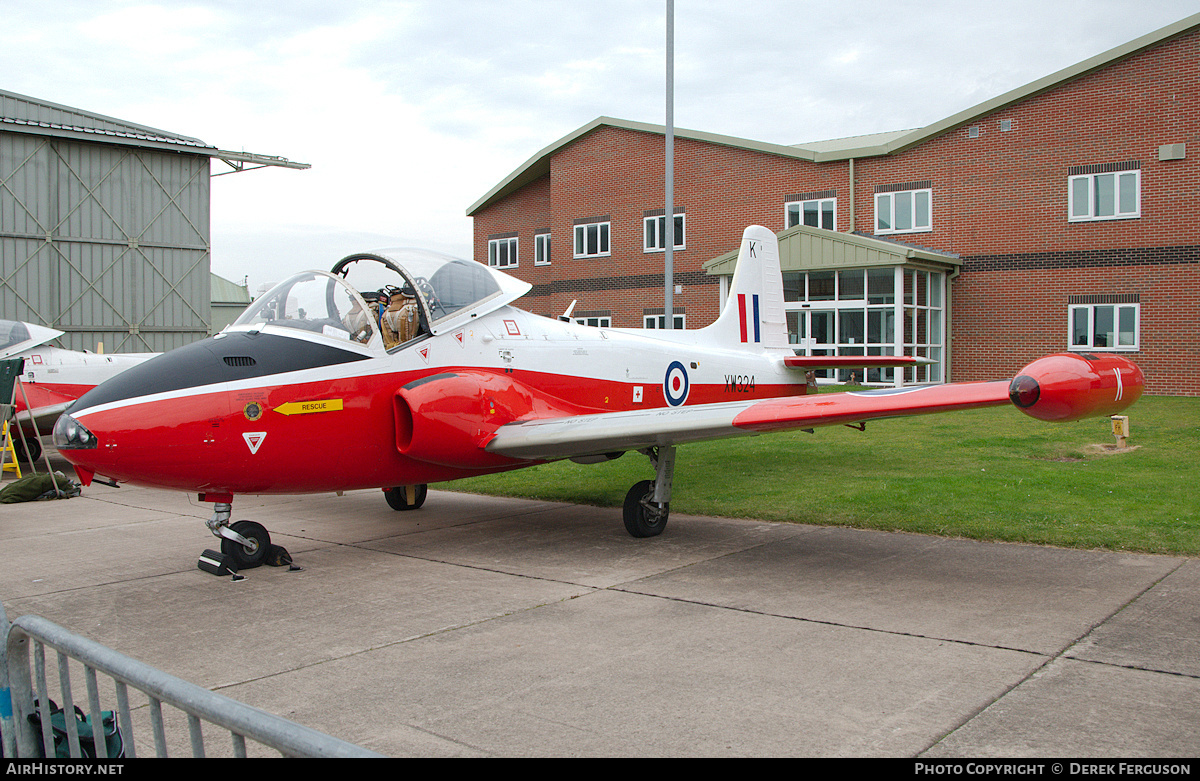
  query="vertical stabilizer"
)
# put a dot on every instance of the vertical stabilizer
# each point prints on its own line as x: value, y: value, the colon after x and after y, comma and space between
x: 753, y: 315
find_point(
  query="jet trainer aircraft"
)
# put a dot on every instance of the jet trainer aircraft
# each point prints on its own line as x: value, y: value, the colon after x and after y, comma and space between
x: 431, y: 376
x: 52, y: 377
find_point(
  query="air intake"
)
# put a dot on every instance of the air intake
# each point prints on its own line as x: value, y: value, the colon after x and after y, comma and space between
x: 239, y: 360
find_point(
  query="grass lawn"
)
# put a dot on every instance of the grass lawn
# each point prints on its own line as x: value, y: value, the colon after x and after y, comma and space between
x: 990, y: 474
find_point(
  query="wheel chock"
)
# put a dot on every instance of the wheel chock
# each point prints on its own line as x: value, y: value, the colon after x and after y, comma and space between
x: 277, y: 556
x: 217, y: 563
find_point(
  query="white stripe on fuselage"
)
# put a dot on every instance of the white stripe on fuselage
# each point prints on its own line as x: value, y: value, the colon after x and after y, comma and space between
x: 543, y: 346
x: 319, y: 374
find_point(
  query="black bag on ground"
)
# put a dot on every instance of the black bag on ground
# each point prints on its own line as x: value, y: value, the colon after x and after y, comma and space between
x: 114, y: 743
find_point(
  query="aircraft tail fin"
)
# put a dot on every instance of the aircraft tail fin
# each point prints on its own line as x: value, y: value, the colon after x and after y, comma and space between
x: 753, y: 315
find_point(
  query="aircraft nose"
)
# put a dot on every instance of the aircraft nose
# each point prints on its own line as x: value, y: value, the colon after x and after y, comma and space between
x: 70, y: 434
x: 178, y: 420
x: 76, y: 443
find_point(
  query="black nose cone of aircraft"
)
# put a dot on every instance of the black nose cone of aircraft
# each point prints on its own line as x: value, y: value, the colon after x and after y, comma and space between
x: 226, y: 357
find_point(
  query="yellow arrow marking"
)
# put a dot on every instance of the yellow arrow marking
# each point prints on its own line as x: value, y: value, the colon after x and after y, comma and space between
x: 307, y: 407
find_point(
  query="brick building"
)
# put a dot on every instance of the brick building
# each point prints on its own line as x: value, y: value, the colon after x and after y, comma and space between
x: 1064, y: 215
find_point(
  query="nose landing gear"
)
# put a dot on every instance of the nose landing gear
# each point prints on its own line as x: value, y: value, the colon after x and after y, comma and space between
x: 244, y: 544
x: 247, y: 543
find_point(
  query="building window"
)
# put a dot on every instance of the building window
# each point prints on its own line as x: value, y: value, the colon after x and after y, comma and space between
x: 602, y: 321
x: 1104, y: 323
x: 502, y: 253
x: 591, y: 239
x: 1114, y: 192
x: 903, y: 210
x: 541, y: 249
x: 654, y: 232
x: 651, y: 320
x: 816, y: 212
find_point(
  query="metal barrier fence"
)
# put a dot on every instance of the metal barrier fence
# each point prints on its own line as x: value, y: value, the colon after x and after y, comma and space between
x: 19, y: 688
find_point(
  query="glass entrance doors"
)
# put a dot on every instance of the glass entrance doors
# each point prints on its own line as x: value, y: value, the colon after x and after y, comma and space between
x: 844, y: 332
x: 857, y: 312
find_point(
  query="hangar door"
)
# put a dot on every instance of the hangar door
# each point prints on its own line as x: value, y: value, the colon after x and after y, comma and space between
x: 106, y: 242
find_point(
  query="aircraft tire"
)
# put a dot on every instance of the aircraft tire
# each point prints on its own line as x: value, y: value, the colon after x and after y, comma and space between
x: 397, y: 499
x: 244, y: 557
x: 639, y: 522
x: 34, y: 453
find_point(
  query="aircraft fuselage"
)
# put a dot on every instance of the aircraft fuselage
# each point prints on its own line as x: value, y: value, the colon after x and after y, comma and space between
x: 278, y: 412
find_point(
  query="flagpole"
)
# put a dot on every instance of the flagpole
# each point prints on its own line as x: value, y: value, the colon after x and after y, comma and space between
x: 669, y: 186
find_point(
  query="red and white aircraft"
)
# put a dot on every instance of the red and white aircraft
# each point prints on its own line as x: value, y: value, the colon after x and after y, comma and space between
x: 433, y: 376
x: 53, y: 378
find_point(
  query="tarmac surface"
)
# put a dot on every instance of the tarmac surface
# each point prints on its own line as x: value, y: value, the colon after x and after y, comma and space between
x: 479, y: 626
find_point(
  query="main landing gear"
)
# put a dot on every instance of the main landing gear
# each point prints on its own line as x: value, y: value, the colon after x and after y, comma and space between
x: 648, y: 503
x: 406, y: 497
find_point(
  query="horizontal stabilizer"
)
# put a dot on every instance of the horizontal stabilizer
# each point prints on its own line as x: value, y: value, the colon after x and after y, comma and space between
x: 809, y: 362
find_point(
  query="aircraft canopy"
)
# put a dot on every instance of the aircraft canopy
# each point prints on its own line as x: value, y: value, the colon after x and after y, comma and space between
x: 366, y: 295
x: 16, y: 336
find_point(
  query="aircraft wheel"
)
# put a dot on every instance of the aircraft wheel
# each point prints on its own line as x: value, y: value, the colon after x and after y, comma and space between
x: 406, y: 497
x: 247, y: 557
x: 641, y: 520
x: 34, y: 453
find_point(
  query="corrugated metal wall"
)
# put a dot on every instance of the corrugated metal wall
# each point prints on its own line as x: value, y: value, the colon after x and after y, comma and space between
x: 109, y: 243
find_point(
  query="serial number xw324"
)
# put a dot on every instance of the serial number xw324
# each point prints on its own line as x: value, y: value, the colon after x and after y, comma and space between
x: 739, y: 383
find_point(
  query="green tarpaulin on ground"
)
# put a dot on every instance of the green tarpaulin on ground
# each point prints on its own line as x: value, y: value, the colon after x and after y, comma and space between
x: 35, y: 487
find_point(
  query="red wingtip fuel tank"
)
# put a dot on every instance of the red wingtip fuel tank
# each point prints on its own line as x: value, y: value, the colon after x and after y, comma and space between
x: 1070, y: 386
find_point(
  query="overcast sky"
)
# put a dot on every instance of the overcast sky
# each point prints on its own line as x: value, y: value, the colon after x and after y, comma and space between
x: 411, y: 111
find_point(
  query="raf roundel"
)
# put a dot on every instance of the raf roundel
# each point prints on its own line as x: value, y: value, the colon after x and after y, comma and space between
x: 675, y: 384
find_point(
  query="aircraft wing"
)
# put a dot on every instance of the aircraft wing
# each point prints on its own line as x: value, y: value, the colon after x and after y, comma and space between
x: 1055, y: 388
x: 44, y: 417
x: 555, y: 438
x: 46, y: 405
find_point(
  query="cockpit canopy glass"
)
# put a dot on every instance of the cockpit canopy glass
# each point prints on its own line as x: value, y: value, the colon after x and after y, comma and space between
x: 16, y: 337
x: 387, y: 298
x: 444, y: 285
x: 312, y: 301
x: 460, y: 285
x: 12, y: 333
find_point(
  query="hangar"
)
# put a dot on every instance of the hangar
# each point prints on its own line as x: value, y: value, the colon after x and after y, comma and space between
x: 104, y: 226
x: 1058, y: 216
